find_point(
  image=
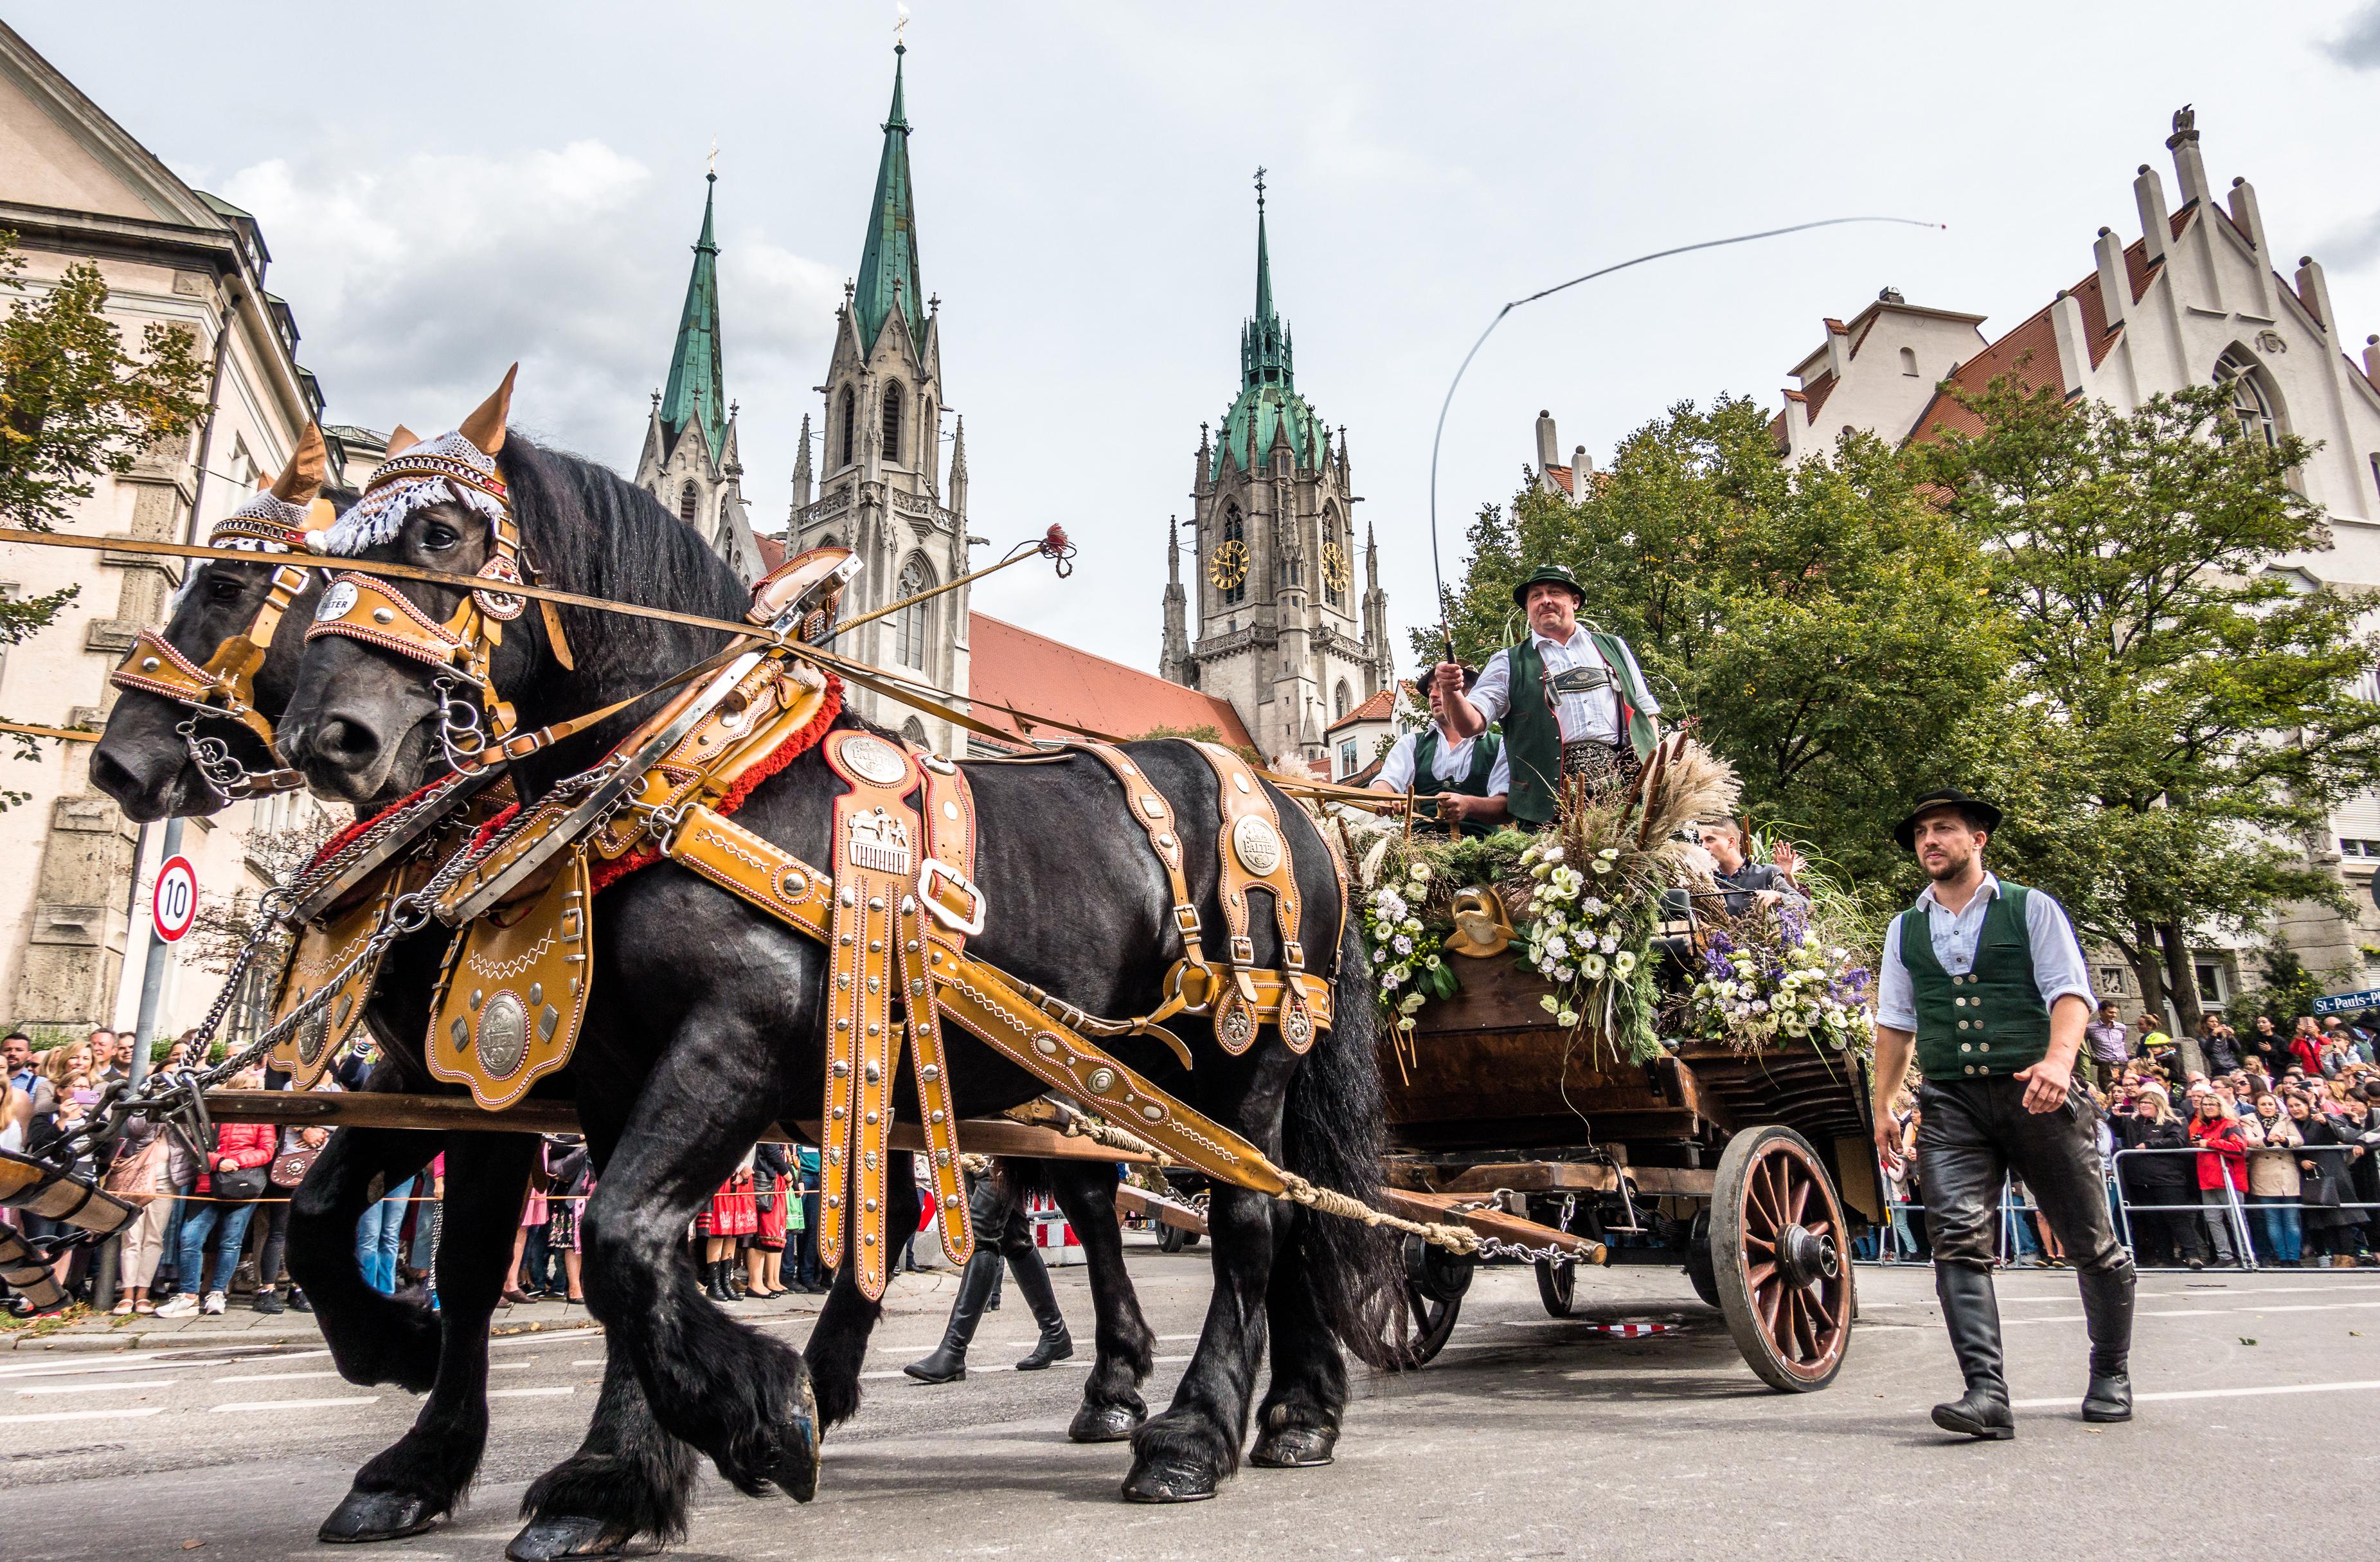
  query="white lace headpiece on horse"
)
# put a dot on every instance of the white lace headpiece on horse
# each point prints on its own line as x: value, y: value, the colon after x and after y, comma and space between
x: 273, y: 520
x: 446, y: 470
x: 458, y: 467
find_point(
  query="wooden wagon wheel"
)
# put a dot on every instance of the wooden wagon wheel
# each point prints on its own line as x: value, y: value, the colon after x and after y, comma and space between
x: 1776, y: 1241
x: 1557, y: 1286
x: 1435, y: 1283
x: 1172, y: 1239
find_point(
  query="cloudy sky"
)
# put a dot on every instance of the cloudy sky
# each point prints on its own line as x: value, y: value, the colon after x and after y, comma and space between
x: 446, y: 187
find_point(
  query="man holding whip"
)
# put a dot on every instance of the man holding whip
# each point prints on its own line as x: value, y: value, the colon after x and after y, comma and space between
x: 1985, y: 981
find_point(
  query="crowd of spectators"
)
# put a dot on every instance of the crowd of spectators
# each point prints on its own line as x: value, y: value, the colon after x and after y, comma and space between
x: 2270, y: 1151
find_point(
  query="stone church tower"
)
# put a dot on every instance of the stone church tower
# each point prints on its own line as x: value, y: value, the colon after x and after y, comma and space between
x: 690, y: 461
x: 1280, y: 633
x: 879, y: 490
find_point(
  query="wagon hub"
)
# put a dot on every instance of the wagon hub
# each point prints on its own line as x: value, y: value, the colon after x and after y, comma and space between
x: 1803, y: 1256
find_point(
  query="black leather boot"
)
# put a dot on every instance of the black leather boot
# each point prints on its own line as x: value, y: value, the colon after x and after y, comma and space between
x: 1973, y: 1314
x: 2108, y: 1314
x: 727, y: 1280
x: 1033, y: 1284
x: 948, y: 1363
x: 711, y: 1285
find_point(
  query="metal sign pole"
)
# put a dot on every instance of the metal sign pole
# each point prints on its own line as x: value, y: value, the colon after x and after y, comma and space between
x: 153, y: 975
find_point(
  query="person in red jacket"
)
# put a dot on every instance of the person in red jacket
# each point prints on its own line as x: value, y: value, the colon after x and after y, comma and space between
x: 2305, y: 1048
x: 2222, y: 1168
x: 221, y: 1205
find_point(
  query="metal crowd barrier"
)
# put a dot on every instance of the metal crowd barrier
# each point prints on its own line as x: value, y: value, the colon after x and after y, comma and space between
x: 2245, y: 1249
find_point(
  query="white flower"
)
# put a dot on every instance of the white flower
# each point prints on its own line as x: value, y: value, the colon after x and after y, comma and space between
x: 1558, y: 946
x: 1553, y: 854
x: 1760, y: 1005
x: 1609, y: 853
x: 1412, y: 1001
x: 1546, y: 1002
x: 1402, y: 944
x: 1567, y: 1017
x: 1592, y: 968
x: 1391, y: 982
x: 1610, y: 944
x: 1602, y: 866
x: 1411, y: 924
x: 1565, y: 973
x: 1623, y: 962
x: 1421, y: 872
x: 1380, y: 957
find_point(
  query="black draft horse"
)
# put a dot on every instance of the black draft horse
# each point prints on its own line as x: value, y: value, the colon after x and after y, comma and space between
x: 144, y: 763
x: 708, y: 1025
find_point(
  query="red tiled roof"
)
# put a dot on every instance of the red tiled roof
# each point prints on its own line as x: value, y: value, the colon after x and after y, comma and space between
x: 1033, y: 673
x: 1379, y: 707
x: 773, y: 552
x: 1815, y: 393
x: 1562, y: 476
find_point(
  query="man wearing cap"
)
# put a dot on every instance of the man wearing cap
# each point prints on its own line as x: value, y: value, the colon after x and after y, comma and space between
x: 1572, y: 700
x: 1985, y: 981
x: 1468, y: 774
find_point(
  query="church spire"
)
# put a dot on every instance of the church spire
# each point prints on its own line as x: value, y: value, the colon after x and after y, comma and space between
x: 888, y: 264
x: 697, y: 392
x: 1264, y: 341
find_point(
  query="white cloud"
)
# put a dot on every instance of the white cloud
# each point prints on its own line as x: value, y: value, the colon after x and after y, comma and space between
x: 418, y: 280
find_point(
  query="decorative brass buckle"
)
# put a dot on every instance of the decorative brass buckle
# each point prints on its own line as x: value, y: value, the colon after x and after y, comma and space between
x: 935, y: 872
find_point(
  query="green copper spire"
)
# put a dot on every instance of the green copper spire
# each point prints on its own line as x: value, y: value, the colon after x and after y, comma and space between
x: 1267, y: 399
x: 697, y: 389
x: 887, y: 264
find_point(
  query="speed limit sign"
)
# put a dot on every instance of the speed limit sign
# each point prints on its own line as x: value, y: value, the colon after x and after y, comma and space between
x: 175, y: 904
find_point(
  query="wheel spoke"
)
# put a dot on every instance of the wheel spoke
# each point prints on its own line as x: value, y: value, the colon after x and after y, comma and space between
x: 1801, y: 1198
x: 1804, y: 1332
x: 1758, y: 1275
x: 1763, y: 1243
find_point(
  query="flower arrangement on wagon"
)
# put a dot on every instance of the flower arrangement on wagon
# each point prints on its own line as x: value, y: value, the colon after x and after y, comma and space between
x: 1586, y: 902
x: 1780, y: 973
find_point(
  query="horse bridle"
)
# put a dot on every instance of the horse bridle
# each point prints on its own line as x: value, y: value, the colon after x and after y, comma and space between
x: 225, y: 687
x: 364, y: 607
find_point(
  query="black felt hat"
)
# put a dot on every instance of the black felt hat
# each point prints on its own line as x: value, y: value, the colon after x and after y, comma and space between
x: 1557, y: 574
x: 1981, y: 815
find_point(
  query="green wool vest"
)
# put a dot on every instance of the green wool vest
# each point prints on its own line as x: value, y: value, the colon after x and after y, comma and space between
x: 1989, y: 1023
x: 1533, y: 734
x: 1472, y: 783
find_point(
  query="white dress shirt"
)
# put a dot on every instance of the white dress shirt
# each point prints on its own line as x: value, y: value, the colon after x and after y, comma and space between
x: 2058, y: 967
x: 1452, y: 764
x: 1592, y: 714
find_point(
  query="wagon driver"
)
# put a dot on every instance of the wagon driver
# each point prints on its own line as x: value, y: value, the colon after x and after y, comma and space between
x: 1571, y: 699
x: 1985, y: 981
x: 1468, y: 775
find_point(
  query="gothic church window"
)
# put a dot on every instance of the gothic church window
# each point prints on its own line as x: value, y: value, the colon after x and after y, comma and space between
x: 849, y: 425
x: 893, y: 421
x: 914, y: 731
x: 909, y: 623
x: 1339, y: 701
x: 686, y: 499
x: 2250, y: 408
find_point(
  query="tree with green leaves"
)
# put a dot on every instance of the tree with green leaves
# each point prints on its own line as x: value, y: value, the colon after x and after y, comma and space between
x: 75, y: 404
x: 1822, y: 626
x: 2187, y: 714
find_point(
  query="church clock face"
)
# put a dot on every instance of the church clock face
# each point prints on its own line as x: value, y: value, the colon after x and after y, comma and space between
x: 1230, y: 565
x: 1334, y: 565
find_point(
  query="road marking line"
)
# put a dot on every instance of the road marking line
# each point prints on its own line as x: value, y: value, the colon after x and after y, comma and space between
x: 117, y: 1367
x: 530, y: 1392
x: 590, y: 1362
x: 82, y: 1415
x: 511, y: 1366
x: 270, y: 1377
x: 289, y: 1404
x: 101, y: 1387
x: 2208, y: 1394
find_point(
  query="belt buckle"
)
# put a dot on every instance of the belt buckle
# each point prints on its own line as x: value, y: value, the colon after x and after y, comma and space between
x: 935, y: 872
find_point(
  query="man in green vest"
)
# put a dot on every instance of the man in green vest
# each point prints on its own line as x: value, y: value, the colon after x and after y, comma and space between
x: 1571, y: 699
x: 1985, y: 981
x: 1463, y: 780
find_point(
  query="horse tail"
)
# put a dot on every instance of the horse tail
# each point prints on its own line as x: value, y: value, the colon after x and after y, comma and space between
x: 1333, y: 1135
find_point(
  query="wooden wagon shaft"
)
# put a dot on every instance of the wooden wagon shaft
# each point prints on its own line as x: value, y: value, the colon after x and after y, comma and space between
x: 1496, y: 1223
x: 1141, y: 1201
x: 454, y: 1113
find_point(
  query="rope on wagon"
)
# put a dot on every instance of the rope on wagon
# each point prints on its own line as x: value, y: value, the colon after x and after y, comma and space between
x: 1329, y: 1201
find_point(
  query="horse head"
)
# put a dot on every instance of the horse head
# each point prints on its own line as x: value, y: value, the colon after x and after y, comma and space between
x: 401, y: 678
x: 201, y: 695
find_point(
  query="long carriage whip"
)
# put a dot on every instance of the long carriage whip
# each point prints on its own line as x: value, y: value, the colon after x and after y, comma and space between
x: 1437, y: 578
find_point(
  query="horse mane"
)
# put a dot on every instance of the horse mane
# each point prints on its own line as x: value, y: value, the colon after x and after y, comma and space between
x: 586, y: 529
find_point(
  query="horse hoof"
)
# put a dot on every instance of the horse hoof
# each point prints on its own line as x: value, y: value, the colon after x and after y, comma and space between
x: 1294, y: 1448
x: 1103, y: 1423
x: 797, y: 1473
x: 1169, y: 1480
x: 575, y: 1539
x: 363, y: 1517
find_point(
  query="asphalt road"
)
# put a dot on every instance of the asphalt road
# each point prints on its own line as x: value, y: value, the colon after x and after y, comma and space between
x: 1529, y: 1438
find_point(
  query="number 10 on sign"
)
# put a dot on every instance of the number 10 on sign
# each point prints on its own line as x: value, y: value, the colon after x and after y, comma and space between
x: 175, y: 904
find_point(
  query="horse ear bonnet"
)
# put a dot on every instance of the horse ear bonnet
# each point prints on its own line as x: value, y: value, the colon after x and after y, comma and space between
x: 309, y: 465
x: 485, y: 428
x: 404, y: 439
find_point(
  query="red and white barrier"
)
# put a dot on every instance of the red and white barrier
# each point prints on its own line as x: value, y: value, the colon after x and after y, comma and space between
x: 1051, y: 1233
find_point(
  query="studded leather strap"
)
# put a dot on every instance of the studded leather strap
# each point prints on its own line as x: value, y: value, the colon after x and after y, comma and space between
x: 1256, y: 855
